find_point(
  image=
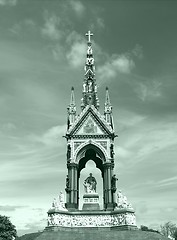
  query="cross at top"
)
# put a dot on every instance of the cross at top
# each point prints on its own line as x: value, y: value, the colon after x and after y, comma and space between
x: 89, y: 34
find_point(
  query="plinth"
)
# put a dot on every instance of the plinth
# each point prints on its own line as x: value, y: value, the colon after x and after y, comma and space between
x: 91, y: 202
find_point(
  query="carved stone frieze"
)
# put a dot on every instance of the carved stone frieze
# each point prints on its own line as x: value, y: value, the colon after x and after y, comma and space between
x: 65, y: 220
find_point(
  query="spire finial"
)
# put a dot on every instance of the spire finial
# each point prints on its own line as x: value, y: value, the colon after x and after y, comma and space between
x: 72, y: 101
x: 89, y: 85
x: 89, y: 34
x: 108, y: 109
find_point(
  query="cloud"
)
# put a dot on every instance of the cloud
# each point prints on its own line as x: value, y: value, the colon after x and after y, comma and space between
x: 9, y: 208
x: 8, y: 126
x: 137, y: 51
x: 78, y: 7
x: 8, y: 2
x: 97, y: 24
x: 167, y: 182
x: 51, y: 27
x: 77, y: 53
x: 149, y: 91
x: 100, y: 22
x: 50, y: 137
x: 27, y: 24
x: 115, y: 65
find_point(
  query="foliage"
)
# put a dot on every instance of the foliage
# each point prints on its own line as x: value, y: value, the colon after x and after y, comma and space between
x: 145, y: 228
x: 175, y: 234
x: 169, y: 229
x: 7, y: 229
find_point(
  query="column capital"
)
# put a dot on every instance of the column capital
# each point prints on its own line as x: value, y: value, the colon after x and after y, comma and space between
x: 72, y: 165
x: 107, y: 165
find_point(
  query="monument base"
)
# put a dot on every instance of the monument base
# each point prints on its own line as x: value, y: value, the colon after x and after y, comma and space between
x: 91, y: 202
x: 119, y: 219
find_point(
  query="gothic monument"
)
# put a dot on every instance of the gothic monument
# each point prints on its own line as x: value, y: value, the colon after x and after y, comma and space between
x: 90, y: 136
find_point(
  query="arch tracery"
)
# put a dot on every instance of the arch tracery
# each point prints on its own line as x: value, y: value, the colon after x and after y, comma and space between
x: 100, y: 151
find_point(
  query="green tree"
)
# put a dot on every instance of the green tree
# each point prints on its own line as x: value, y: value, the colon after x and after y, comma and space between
x: 7, y: 229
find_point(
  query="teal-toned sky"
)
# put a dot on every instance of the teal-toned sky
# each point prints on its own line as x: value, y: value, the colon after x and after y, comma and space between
x: 42, y: 54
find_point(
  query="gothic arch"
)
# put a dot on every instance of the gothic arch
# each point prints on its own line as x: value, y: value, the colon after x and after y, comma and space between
x: 90, y: 144
x: 90, y: 151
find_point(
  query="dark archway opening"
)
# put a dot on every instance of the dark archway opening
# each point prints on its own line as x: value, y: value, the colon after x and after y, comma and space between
x: 90, y: 154
x: 91, y: 162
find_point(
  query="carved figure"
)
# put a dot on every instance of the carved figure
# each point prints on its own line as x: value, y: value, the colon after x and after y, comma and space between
x: 84, y: 87
x: 54, y: 203
x: 89, y: 50
x: 67, y: 183
x: 61, y: 197
x: 113, y: 183
x: 112, y: 150
x: 90, y: 184
x: 90, y: 86
x: 68, y: 152
x: 122, y: 201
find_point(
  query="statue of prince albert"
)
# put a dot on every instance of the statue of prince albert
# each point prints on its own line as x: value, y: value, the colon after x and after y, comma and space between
x: 90, y: 184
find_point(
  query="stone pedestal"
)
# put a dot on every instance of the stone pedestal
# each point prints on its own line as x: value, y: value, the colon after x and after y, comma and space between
x: 91, y: 202
x: 120, y: 219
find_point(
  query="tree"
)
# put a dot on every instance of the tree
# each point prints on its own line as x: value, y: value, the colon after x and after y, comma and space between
x: 7, y: 229
x: 175, y: 234
x: 169, y: 229
x: 145, y: 228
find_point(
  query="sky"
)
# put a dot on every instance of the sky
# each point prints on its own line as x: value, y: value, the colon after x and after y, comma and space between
x: 42, y: 55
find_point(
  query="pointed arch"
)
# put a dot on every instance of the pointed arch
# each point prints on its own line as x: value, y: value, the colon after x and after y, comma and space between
x: 90, y: 151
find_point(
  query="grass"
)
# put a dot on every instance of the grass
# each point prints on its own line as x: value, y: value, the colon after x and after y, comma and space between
x: 94, y: 235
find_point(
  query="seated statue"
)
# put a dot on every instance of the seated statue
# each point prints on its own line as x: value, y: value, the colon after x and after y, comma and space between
x: 90, y: 184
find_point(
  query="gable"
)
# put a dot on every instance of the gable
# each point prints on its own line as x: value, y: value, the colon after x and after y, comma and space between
x: 90, y: 122
x: 89, y: 126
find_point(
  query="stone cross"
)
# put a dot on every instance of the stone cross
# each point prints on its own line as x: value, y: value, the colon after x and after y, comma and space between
x: 89, y: 34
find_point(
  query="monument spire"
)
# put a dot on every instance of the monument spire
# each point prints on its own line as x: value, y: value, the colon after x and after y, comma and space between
x: 89, y: 85
x: 71, y: 109
x: 108, y: 109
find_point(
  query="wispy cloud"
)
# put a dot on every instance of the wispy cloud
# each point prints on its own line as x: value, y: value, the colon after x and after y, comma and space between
x: 51, y: 28
x: 23, y: 26
x: 9, y: 208
x: 149, y: 91
x: 77, y: 53
x: 167, y: 182
x: 115, y: 65
x: 50, y: 137
x: 8, y: 2
x: 78, y: 7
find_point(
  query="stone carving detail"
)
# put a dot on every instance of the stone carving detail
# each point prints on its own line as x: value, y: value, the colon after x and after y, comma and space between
x: 68, y: 152
x: 90, y: 127
x: 67, y: 184
x: 90, y: 184
x: 77, y: 144
x: 64, y: 220
x: 103, y: 143
x: 112, y: 150
x: 59, y: 204
x: 113, y: 183
x: 122, y: 201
